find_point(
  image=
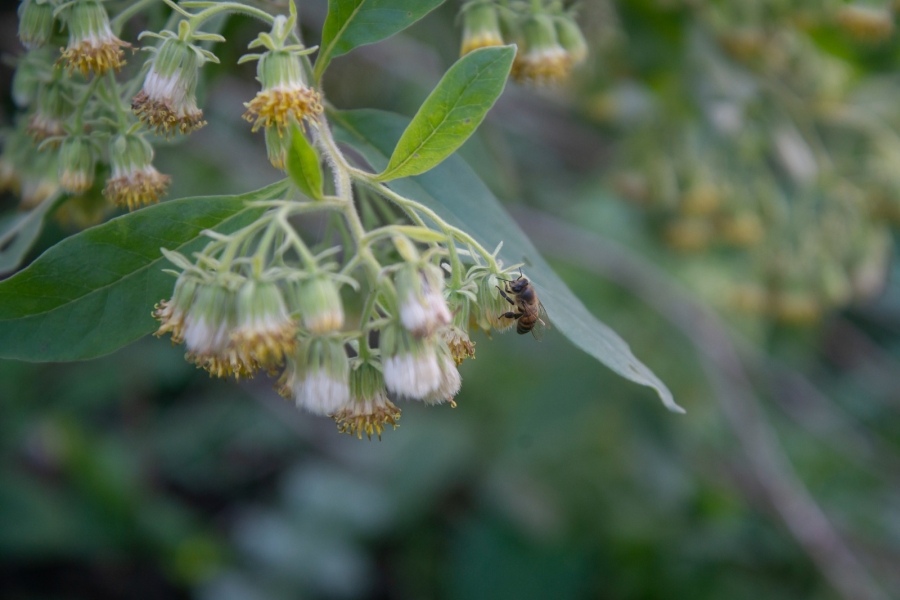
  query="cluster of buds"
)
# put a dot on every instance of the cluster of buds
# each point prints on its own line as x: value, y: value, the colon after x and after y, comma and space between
x: 237, y: 317
x: 550, y: 41
x: 67, y: 115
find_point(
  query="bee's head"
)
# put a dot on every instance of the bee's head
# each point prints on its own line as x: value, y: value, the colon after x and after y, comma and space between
x: 517, y: 285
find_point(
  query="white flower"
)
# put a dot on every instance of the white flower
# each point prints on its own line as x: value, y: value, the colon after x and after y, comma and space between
x: 321, y: 393
x: 422, y: 306
x: 450, y: 380
x: 317, y: 376
x: 413, y: 375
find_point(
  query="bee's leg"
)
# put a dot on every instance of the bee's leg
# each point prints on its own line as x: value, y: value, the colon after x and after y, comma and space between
x: 508, y: 299
x: 511, y: 315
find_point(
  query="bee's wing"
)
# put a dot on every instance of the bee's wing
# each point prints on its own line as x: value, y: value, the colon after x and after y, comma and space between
x: 543, y: 323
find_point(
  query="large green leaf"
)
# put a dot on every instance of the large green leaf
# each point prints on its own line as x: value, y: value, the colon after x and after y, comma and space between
x: 353, y: 23
x: 19, y: 231
x: 93, y: 292
x: 452, y: 112
x: 454, y: 191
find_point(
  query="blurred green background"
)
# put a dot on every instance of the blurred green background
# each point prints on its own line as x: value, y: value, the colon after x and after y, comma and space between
x: 137, y: 476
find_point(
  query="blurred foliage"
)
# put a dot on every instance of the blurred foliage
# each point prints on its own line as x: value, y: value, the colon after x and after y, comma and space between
x: 136, y: 476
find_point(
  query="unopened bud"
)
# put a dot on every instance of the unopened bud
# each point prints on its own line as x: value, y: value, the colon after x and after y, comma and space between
x: 36, y: 23
x: 321, y: 308
x: 76, y: 164
x: 481, y: 27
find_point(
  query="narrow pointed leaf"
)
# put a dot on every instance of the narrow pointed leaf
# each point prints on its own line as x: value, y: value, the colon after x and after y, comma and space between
x: 93, y: 292
x: 18, y: 233
x: 353, y: 23
x: 303, y: 165
x: 452, y: 112
x: 454, y: 191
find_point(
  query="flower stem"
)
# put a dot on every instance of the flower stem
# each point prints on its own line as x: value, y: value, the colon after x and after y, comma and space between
x: 120, y: 19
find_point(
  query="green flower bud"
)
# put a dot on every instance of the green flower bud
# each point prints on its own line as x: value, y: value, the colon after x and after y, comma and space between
x: 541, y: 60
x: 265, y: 330
x: 52, y: 109
x: 571, y: 38
x: 36, y: 23
x: 76, y: 164
x: 320, y: 303
x: 481, y: 27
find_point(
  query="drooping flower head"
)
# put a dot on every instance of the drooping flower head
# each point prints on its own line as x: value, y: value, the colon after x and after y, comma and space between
x: 420, y: 290
x: 134, y: 181
x: 541, y: 60
x: 319, y: 302
x: 76, y: 164
x: 481, y: 27
x: 36, y: 23
x: 207, y: 328
x: 456, y: 335
x: 571, y: 38
x: 167, y: 103
x: 411, y: 368
x: 264, y: 330
x: 368, y: 411
x: 92, y: 45
x: 317, y: 376
x: 285, y: 98
x: 51, y: 110
x: 172, y: 313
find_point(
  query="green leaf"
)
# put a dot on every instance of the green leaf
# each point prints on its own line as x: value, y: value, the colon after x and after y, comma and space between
x: 452, y: 112
x: 454, y: 191
x: 353, y: 23
x: 93, y: 292
x: 303, y: 165
x: 19, y: 231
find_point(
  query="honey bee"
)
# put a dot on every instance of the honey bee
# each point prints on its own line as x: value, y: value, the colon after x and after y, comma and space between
x: 520, y: 293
